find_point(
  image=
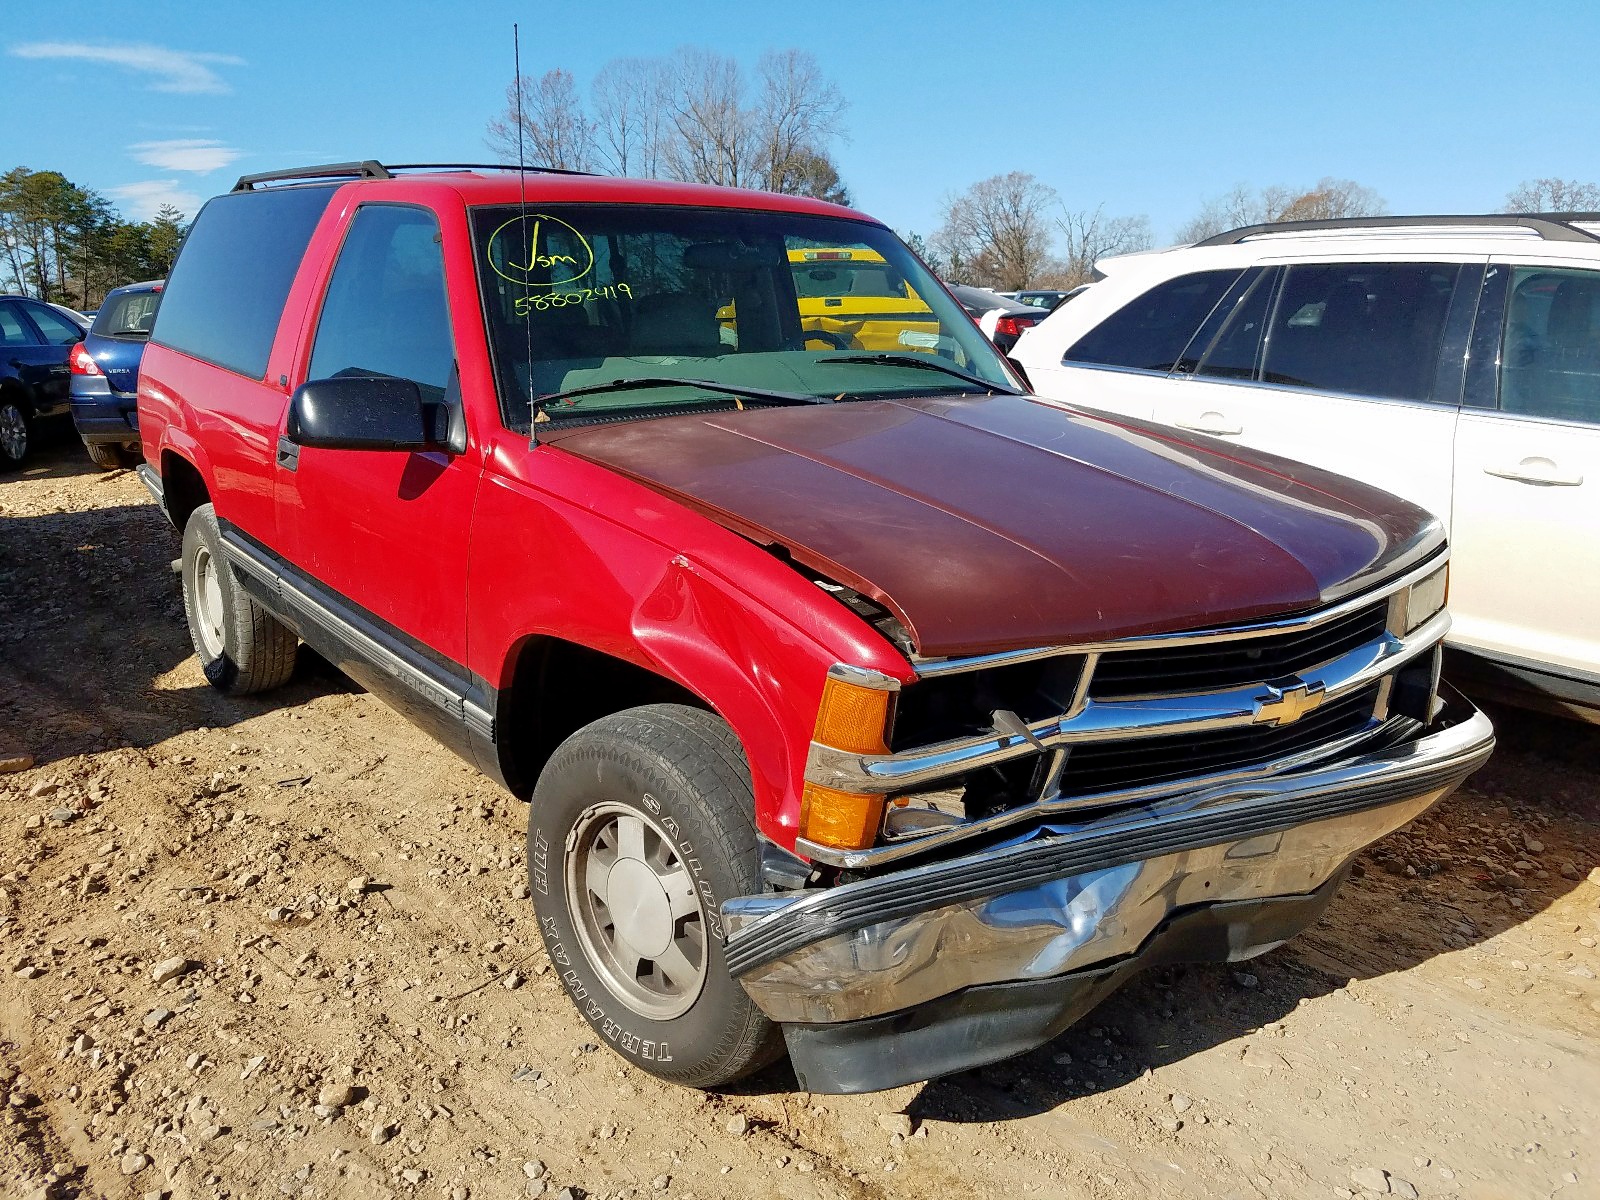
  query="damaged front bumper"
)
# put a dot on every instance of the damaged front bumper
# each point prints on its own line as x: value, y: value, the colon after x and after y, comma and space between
x: 918, y: 972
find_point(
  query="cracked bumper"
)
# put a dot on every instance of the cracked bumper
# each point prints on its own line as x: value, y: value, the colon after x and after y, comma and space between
x: 1113, y: 892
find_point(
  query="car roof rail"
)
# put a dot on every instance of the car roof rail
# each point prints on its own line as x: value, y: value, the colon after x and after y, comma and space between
x: 1553, y: 227
x: 531, y: 167
x: 371, y: 168
x: 366, y: 169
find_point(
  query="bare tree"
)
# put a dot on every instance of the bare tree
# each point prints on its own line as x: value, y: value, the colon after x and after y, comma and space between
x: 796, y: 114
x: 998, y: 230
x: 1327, y: 199
x: 1553, y: 195
x: 555, y: 130
x: 631, y: 129
x: 1091, y: 236
x: 687, y: 117
x: 710, y: 138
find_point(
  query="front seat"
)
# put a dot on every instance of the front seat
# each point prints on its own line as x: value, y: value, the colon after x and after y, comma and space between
x: 675, y: 323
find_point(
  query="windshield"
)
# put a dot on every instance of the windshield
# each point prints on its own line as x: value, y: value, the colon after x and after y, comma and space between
x: 579, y: 296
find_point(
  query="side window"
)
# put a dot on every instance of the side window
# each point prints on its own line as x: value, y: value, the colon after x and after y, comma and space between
x: 1367, y: 329
x: 13, y: 332
x: 226, y: 292
x: 1151, y: 331
x: 1236, y: 352
x: 386, y: 311
x: 1550, y: 365
x: 57, y: 330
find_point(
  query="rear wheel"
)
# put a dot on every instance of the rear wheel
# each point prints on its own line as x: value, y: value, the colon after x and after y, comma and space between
x: 108, y: 456
x: 641, y: 825
x: 242, y: 647
x: 16, y: 432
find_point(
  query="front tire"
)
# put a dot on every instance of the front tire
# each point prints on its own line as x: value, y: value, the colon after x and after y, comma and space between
x: 242, y: 647
x: 640, y: 826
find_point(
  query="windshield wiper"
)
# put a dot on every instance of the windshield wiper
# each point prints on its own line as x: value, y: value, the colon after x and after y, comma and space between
x: 659, y: 381
x: 921, y: 361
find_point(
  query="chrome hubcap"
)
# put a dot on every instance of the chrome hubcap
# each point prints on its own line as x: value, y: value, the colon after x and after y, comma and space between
x: 637, y: 911
x: 208, y: 602
x: 13, y: 432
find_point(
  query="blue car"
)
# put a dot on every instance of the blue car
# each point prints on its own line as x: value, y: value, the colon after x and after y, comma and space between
x: 105, y: 374
x: 36, y: 340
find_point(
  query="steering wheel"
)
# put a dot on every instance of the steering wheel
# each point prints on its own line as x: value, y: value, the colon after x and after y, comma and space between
x: 835, y: 341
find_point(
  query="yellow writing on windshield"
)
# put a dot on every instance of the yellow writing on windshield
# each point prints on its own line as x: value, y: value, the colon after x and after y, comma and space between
x: 539, y: 251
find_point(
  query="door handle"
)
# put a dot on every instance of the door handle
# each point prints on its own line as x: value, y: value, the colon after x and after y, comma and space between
x: 1541, y: 472
x: 288, y: 454
x: 1212, y: 423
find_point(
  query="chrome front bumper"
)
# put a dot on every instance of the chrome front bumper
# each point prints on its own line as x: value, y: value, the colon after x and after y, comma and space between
x: 1074, y: 896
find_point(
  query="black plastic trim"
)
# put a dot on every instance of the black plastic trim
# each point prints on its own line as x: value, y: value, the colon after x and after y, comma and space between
x: 365, y: 169
x: 1566, y: 684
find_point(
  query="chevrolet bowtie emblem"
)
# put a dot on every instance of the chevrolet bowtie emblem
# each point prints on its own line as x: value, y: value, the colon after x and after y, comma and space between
x: 1285, y: 705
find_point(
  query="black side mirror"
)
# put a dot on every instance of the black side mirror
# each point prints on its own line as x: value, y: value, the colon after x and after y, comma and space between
x: 366, y: 412
x: 1021, y: 372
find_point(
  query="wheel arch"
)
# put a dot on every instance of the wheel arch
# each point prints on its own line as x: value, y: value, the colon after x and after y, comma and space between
x: 690, y: 641
x: 183, y: 486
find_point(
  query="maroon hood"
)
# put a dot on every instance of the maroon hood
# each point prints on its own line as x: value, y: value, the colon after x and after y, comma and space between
x: 1003, y: 523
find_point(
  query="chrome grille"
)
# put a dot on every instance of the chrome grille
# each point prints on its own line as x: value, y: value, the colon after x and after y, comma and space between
x: 1121, y: 765
x: 1217, y: 666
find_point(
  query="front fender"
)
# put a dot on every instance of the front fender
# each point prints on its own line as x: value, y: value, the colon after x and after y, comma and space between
x: 761, y: 675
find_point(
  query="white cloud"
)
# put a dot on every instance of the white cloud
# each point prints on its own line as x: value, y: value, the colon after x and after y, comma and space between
x: 172, y: 70
x: 143, y: 200
x: 199, y: 155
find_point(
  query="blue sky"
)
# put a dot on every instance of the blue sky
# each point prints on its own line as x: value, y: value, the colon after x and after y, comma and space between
x: 1142, y: 107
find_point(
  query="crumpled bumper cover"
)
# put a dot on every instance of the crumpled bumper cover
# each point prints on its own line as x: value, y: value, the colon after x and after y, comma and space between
x: 1071, y: 899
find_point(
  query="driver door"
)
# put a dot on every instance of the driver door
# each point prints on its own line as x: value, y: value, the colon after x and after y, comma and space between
x: 377, y: 539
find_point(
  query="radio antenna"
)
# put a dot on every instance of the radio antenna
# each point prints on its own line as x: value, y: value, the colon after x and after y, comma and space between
x: 522, y: 223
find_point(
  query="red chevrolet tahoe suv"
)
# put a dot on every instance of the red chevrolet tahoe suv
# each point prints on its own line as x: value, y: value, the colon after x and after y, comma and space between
x: 862, y: 702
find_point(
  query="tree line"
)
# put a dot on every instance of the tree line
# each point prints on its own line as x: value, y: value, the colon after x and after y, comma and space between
x: 68, y: 244
x: 1012, y: 231
x: 695, y: 116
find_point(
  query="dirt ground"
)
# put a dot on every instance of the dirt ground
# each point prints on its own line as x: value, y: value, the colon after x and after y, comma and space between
x: 282, y: 947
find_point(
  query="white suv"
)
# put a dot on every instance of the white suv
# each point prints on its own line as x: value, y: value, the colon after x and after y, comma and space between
x: 1452, y: 360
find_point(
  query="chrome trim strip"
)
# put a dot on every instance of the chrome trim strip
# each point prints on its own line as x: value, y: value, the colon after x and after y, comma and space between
x: 935, y: 667
x: 1055, y: 804
x: 1111, y: 720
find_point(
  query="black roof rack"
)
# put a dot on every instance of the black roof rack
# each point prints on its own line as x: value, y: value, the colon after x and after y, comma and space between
x: 535, y: 169
x: 1554, y: 227
x: 371, y: 168
x: 366, y: 169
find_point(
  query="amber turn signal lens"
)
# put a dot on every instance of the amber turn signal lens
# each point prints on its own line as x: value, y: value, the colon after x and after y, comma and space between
x: 853, y: 718
x: 843, y: 820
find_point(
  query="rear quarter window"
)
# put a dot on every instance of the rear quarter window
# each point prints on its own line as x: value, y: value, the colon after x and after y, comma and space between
x: 1152, y: 330
x: 226, y: 292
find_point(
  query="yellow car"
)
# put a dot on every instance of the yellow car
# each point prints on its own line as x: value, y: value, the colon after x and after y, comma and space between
x: 853, y: 300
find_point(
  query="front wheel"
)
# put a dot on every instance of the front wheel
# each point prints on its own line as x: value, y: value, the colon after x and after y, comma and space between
x: 640, y: 826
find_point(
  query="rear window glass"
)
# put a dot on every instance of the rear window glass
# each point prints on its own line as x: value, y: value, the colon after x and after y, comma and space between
x: 1151, y: 331
x: 226, y: 291
x: 131, y: 315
